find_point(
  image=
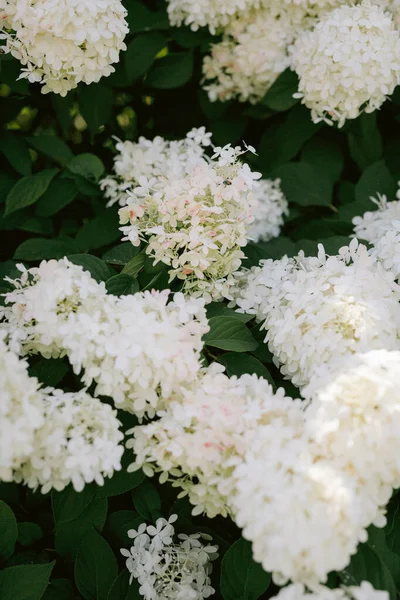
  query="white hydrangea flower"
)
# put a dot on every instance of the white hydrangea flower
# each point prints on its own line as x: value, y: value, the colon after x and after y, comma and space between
x: 354, y: 418
x: 138, y: 349
x: 137, y: 164
x: 63, y: 42
x: 79, y: 442
x: 196, y: 225
x: 43, y: 300
x: 318, y: 309
x: 365, y: 591
x: 252, y: 54
x: 270, y: 206
x: 21, y: 412
x: 199, y: 438
x: 349, y: 63
x: 168, y: 569
x: 382, y: 229
x: 207, y: 13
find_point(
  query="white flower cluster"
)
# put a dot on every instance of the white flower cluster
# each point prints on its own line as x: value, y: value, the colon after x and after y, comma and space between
x: 349, y: 62
x: 196, y: 225
x: 364, y: 591
x: 153, y: 159
x: 138, y: 349
x: 251, y: 55
x: 21, y: 412
x: 330, y: 479
x: 50, y: 438
x: 318, y: 309
x: 206, y: 13
x: 270, y: 206
x: 382, y: 229
x: 198, y: 440
x: 169, y: 570
x: 63, y: 42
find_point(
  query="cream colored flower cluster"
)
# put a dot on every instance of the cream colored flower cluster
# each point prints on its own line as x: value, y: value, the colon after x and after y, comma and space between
x: 381, y: 228
x: 63, y: 42
x: 50, y: 438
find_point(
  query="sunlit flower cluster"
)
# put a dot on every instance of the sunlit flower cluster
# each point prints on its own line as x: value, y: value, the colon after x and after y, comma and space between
x: 199, y: 438
x: 146, y: 160
x: 169, y: 566
x: 251, y: 55
x: 196, y: 225
x: 317, y: 309
x: 61, y: 43
x: 207, y: 13
x: 349, y: 62
x: 364, y: 591
x: 382, y: 229
x: 270, y: 207
x: 138, y: 349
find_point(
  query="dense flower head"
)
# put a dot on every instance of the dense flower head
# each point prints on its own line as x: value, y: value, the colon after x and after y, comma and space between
x: 365, y: 591
x: 207, y: 13
x: 270, y: 206
x: 43, y: 299
x: 78, y: 443
x: 168, y: 568
x: 199, y: 438
x: 21, y: 412
x: 61, y: 43
x: 196, y: 225
x: 149, y: 159
x: 251, y: 55
x: 354, y: 418
x: 137, y: 349
x: 349, y: 62
x: 382, y: 229
x: 318, y: 309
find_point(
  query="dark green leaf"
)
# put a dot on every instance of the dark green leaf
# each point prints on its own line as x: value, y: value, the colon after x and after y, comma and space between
x: 8, y: 531
x: 228, y: 333
x: 217, y: 309
x: 16, y: 152
x: 95, y: 567
x: 25, y: 582
x: 28, y: 190
x: 241, y: 577
x: 375, y: 179
x: 53, y: 147
x: 87, y: 165
x: 68, y: 505
x: 325, y: 155
x: 58, y: 195
x: 134, y: 265
x: 147, y: 501
x: 41, y: 249
x: 6, y: 183
x: 29, y: 533
x: 50, y: 371
x: 304, y: 184
x: 99, y: 232
x: 95, y: 103
x: 364, y: 138
x: 140, y: 18
x: 141, y: 53
x: 238, y: 364
x: 121, y: 481
x: 122, y: 285
x: 118, y: 524
x: 280, y: 95
x: 121, y: 590
x: 38, y: 225
x: 171, y: 71
x: 60, y: 589
x: 96, y: 267
x: 121, y: 254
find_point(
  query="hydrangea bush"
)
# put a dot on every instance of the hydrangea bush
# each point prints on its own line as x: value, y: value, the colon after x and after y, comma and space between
x: 199, y: 299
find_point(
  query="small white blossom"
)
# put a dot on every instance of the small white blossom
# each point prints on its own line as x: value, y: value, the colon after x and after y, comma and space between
x: 270, y: 206
x: 63, y: 42
x: 78, y: 443
x: 349, y: 63
x: 382, y: 229
x: 168, y: 569
x: 318, y: 309
x: 21, y: 412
